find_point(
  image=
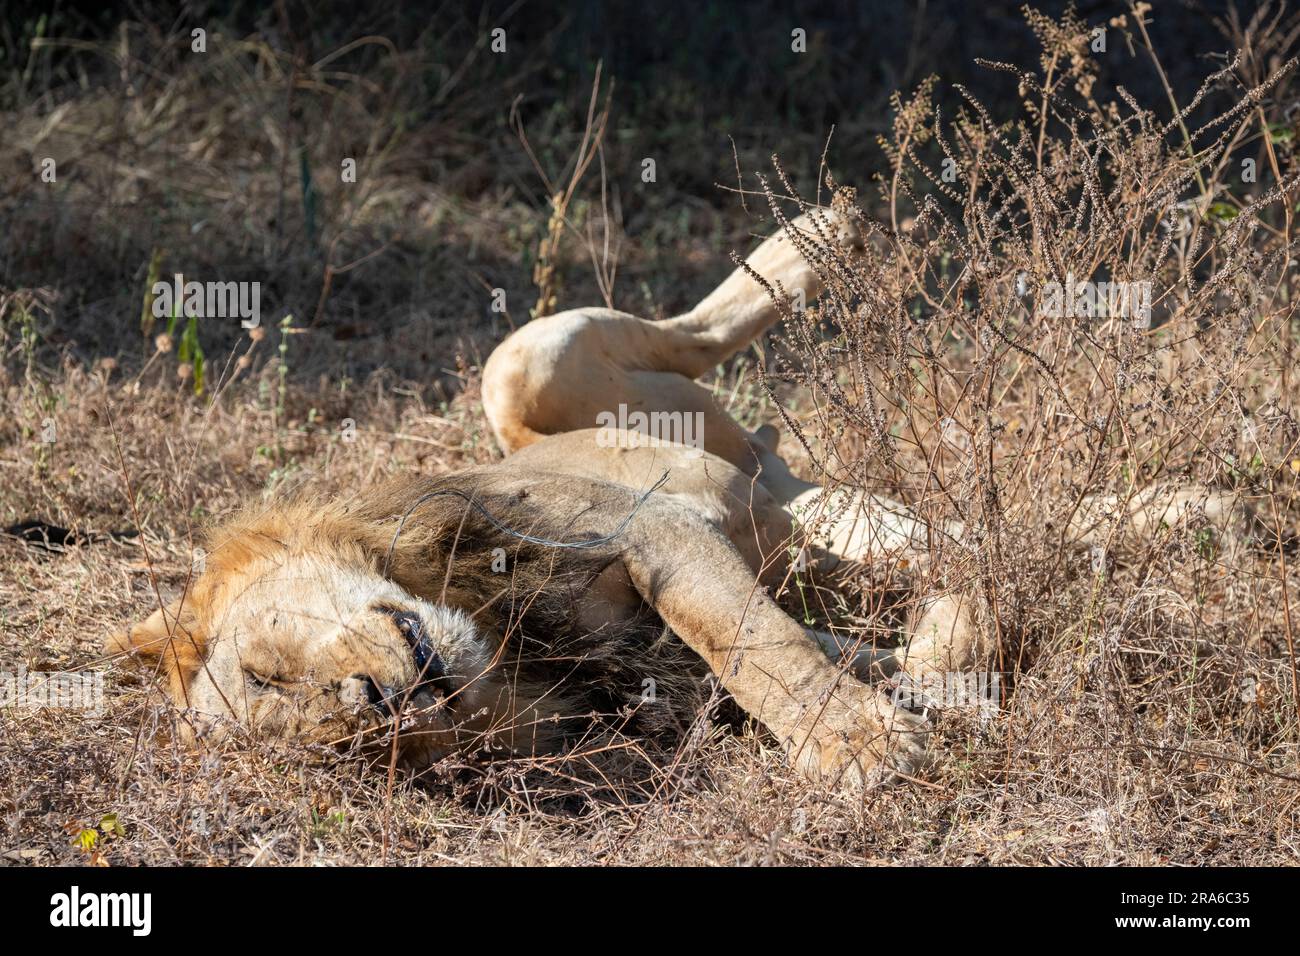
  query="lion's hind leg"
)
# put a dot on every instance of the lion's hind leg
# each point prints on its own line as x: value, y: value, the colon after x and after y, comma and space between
x: 1161, y: 506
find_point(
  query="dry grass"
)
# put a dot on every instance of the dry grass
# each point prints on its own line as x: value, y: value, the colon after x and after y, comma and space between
x: 1150, y: 714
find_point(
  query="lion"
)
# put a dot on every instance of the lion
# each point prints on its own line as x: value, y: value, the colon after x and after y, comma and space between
x: 483, y: 610
x: 480, y: 611
x: 486, y: 611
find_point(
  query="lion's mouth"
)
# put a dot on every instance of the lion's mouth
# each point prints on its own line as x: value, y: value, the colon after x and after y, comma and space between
x: 431, y: 671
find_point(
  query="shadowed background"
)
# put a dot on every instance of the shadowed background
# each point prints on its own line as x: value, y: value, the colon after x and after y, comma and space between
x: 225, y: 165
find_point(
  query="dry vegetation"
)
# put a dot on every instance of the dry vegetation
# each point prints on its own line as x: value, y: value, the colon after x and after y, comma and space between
x: 1149, y: 713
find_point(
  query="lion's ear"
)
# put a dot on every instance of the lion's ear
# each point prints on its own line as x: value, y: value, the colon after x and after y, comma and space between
x: 170, y: 637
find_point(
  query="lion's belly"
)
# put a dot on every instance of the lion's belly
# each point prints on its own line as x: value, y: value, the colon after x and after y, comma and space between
x: 704, y: 482
x: 733, y: 502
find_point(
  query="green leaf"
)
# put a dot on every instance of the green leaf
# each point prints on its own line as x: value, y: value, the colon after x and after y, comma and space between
x: 171, y: 319
x: 191, y: 351
x: 1222, y: 211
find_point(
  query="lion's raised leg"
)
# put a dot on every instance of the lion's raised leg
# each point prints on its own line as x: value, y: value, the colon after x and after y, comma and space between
x: 555, y: 374
x: 740, y: 310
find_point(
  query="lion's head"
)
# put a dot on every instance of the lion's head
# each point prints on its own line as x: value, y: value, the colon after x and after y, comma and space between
x: 300, y: 625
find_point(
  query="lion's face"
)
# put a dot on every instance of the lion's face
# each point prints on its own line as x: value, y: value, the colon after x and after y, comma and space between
x: 314, y: 645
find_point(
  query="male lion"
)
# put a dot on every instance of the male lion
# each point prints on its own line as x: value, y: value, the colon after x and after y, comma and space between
x: 322, y: 618
x: 485, y: 609
x: 492, y: 608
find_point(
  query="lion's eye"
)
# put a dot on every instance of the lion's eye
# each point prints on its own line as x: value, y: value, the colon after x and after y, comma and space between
x: 411, y: 626
x: 258, y: 681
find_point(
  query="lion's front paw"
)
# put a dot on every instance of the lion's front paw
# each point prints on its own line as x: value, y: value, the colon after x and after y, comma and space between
x: 863, y: 744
